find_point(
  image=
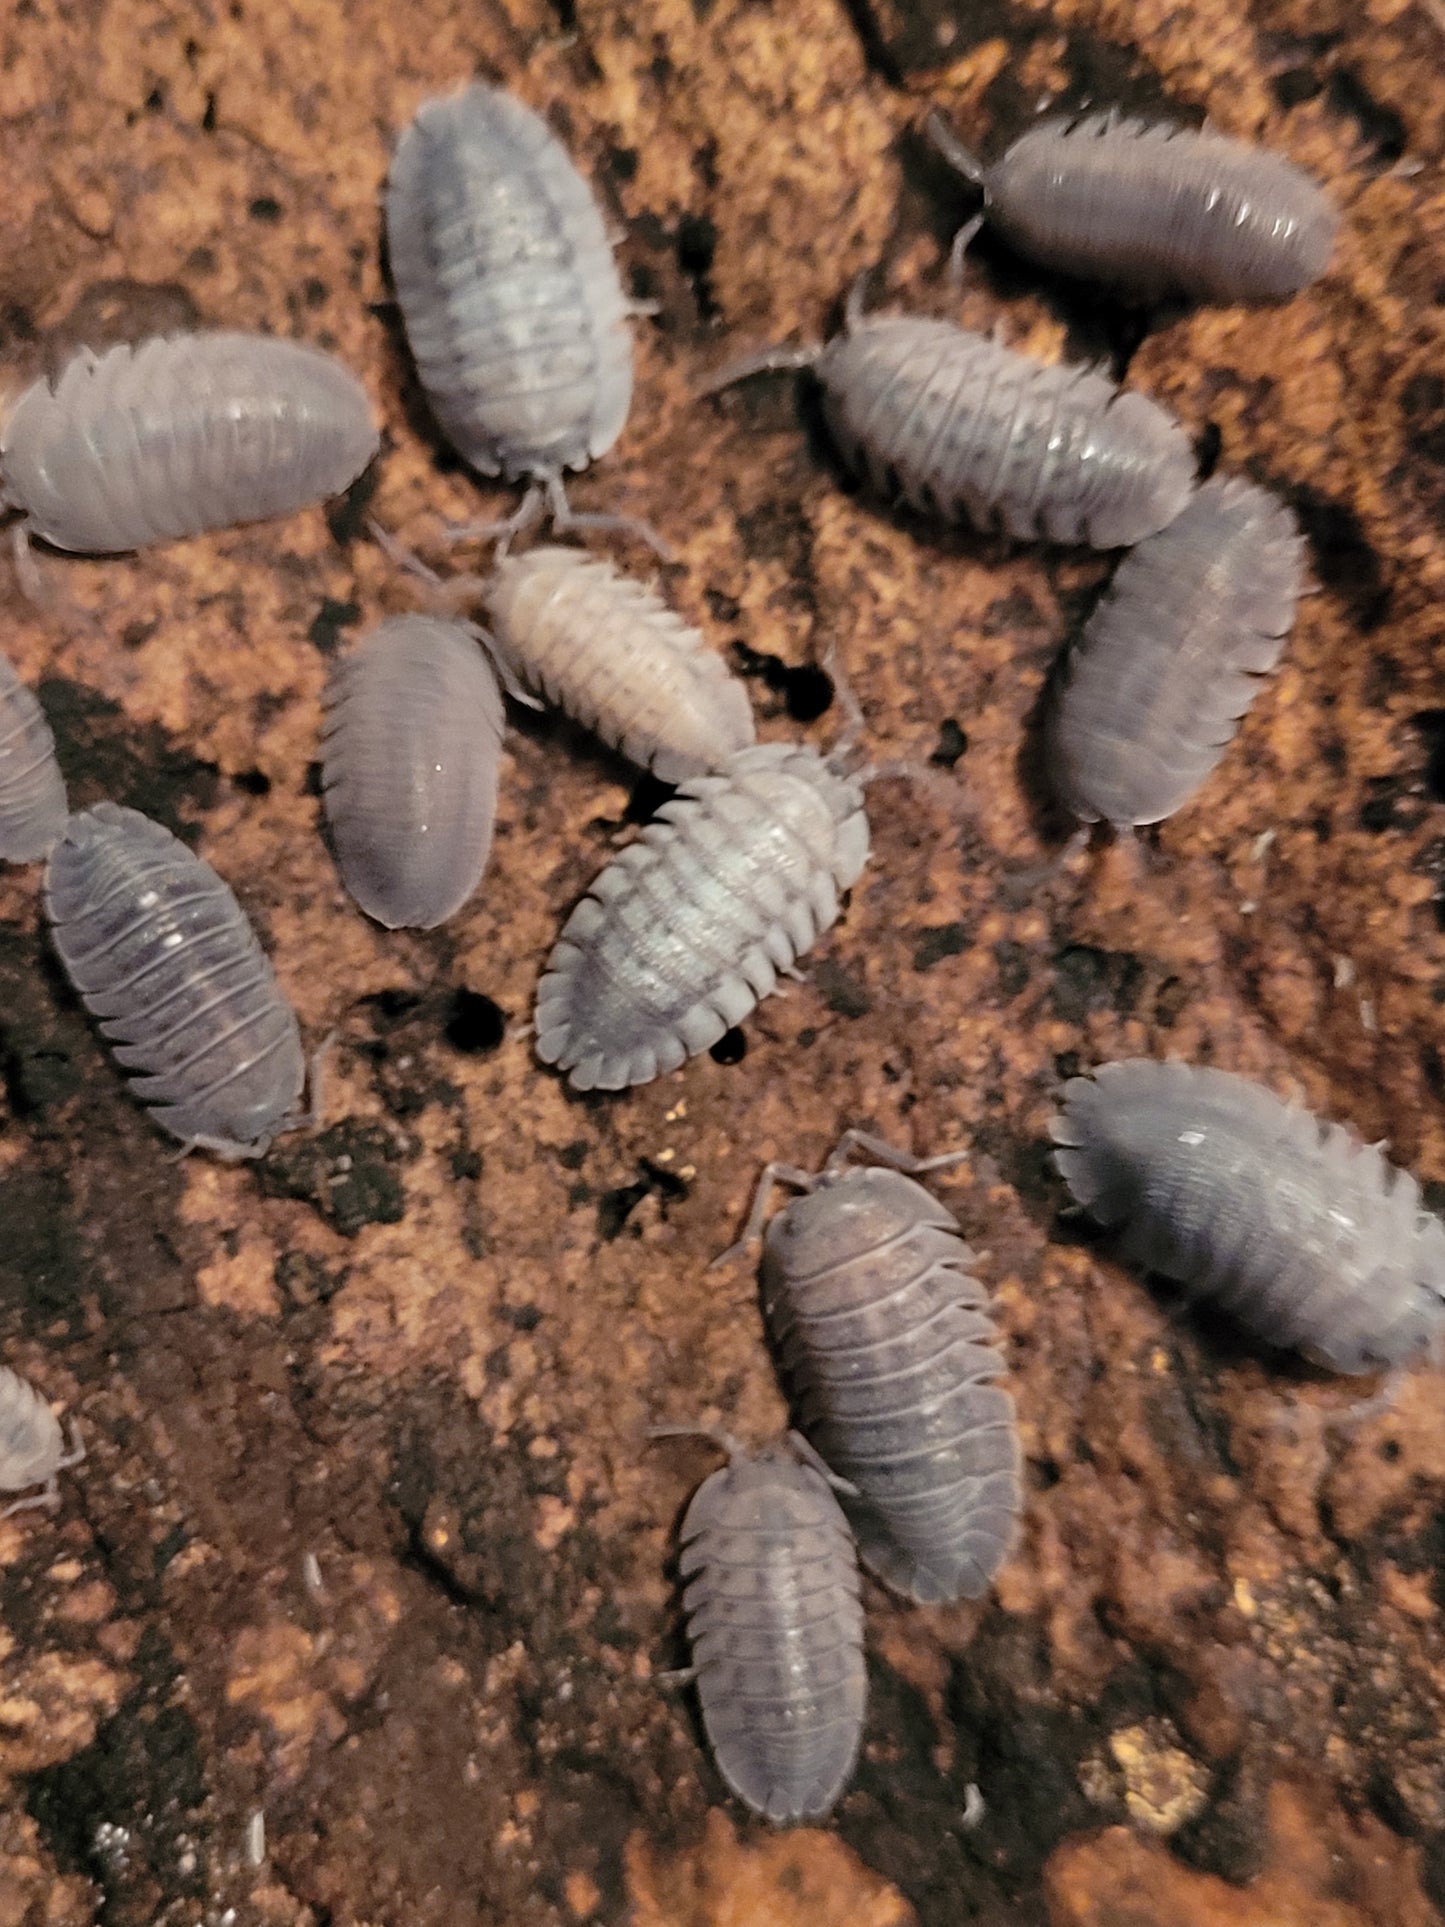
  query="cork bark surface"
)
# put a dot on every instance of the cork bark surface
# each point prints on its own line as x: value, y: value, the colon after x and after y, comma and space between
x: 370, y: 1539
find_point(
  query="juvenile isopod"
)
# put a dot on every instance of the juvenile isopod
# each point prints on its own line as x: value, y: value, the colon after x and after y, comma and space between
x: 962, y: 428
x: 163, y: 958
x: 690, y: 926
x: 181, y: 433
x: 776, y: 1628
x: 890, y: 1350
x: 33, y: 808
x: 1154, y: 208
x: 609, y: 651
x: 32, y: 1450
x: 1306, y: 1237
x: 509, y: 291
x: 413, y: 739
x: 1151, y: 695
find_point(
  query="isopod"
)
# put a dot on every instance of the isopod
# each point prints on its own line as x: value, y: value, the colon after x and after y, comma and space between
x: 1154, y: 208
x: 33, y: 808
x: 1151, y: 695
x: 1306, y: 1237
x: 609, y: 651
x: 163, y: 958
x: 413, y: 739
x: 891, y: 1353
x: 181, y: 433
x: 509, y: 291
x: 776, y: 1628
x: 689, y: 927
x: 32, y: 1450
x: 962, y: 428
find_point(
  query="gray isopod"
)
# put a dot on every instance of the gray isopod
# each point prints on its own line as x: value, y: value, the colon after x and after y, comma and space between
x: 1151, y: 695
x: 890, y: 1351
x: 33, y: 808
x: 776, y: 1627
x: 1154, y: 208
x: 689, y: 927
x: 32, y: 1450
x: 963, y: 428
x: 163, y: 958
x: 181, y: 433
x: 413, y: 740
x: 510, y: 293
x: 609, y: 651
x: 1305, y: 1236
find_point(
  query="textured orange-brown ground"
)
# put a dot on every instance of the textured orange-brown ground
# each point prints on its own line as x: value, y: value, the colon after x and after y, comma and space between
x: 369, y: 1538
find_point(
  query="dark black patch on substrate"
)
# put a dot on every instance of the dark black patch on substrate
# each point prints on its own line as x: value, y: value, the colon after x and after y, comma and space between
x: 1344, y: 558
x: 141, y: 1773
x: 475, y: 1025
x: 952, y: 743
x: 939, y: 941
x: 348, y: 1172
x: 1087, y: 979
x: 329, y: 622
x: 103, y: 753
x: 807, y: 691
x: 840, y: 990
x: 730, y: 1048
x: 615, y: 1207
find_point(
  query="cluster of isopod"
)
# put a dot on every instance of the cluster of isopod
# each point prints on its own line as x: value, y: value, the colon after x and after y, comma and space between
x: 906, y: 1455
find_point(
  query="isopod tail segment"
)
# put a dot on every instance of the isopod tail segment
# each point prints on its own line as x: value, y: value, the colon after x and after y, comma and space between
x: 546, y: 500
x: 49, y: 1493
x: 852, y: 1140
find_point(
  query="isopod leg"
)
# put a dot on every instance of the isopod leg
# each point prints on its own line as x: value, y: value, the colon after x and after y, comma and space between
x: 882, y: 1152
x: 724, y: 1441
x: 810, y: 1455
x: 962, y: 241
x: 767, y: 361
x: 527, y: 514
x: 772, y: 1175
x: 49, y: 1495
x: 566, y: 520
x: 952, y: 149
x: 76, y: 1454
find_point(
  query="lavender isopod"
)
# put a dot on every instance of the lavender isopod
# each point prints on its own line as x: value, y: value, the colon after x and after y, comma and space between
x: 182, y: 433
x: 413, y: 738
x: 165, y: 961
x: 510, y: 293
x: 776, y: 1628
x: 1305, y: 1236
x: 609, y: 651
x: 1154, y: 690
x: 32, y: 1450
x: 689, y: 927
x: 1154, y: 208
x: 963, y: 428
x: 33, y: 808
x: 890, y: 1351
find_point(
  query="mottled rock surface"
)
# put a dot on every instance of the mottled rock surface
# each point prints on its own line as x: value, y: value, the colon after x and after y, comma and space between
x: 370, y: 1539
